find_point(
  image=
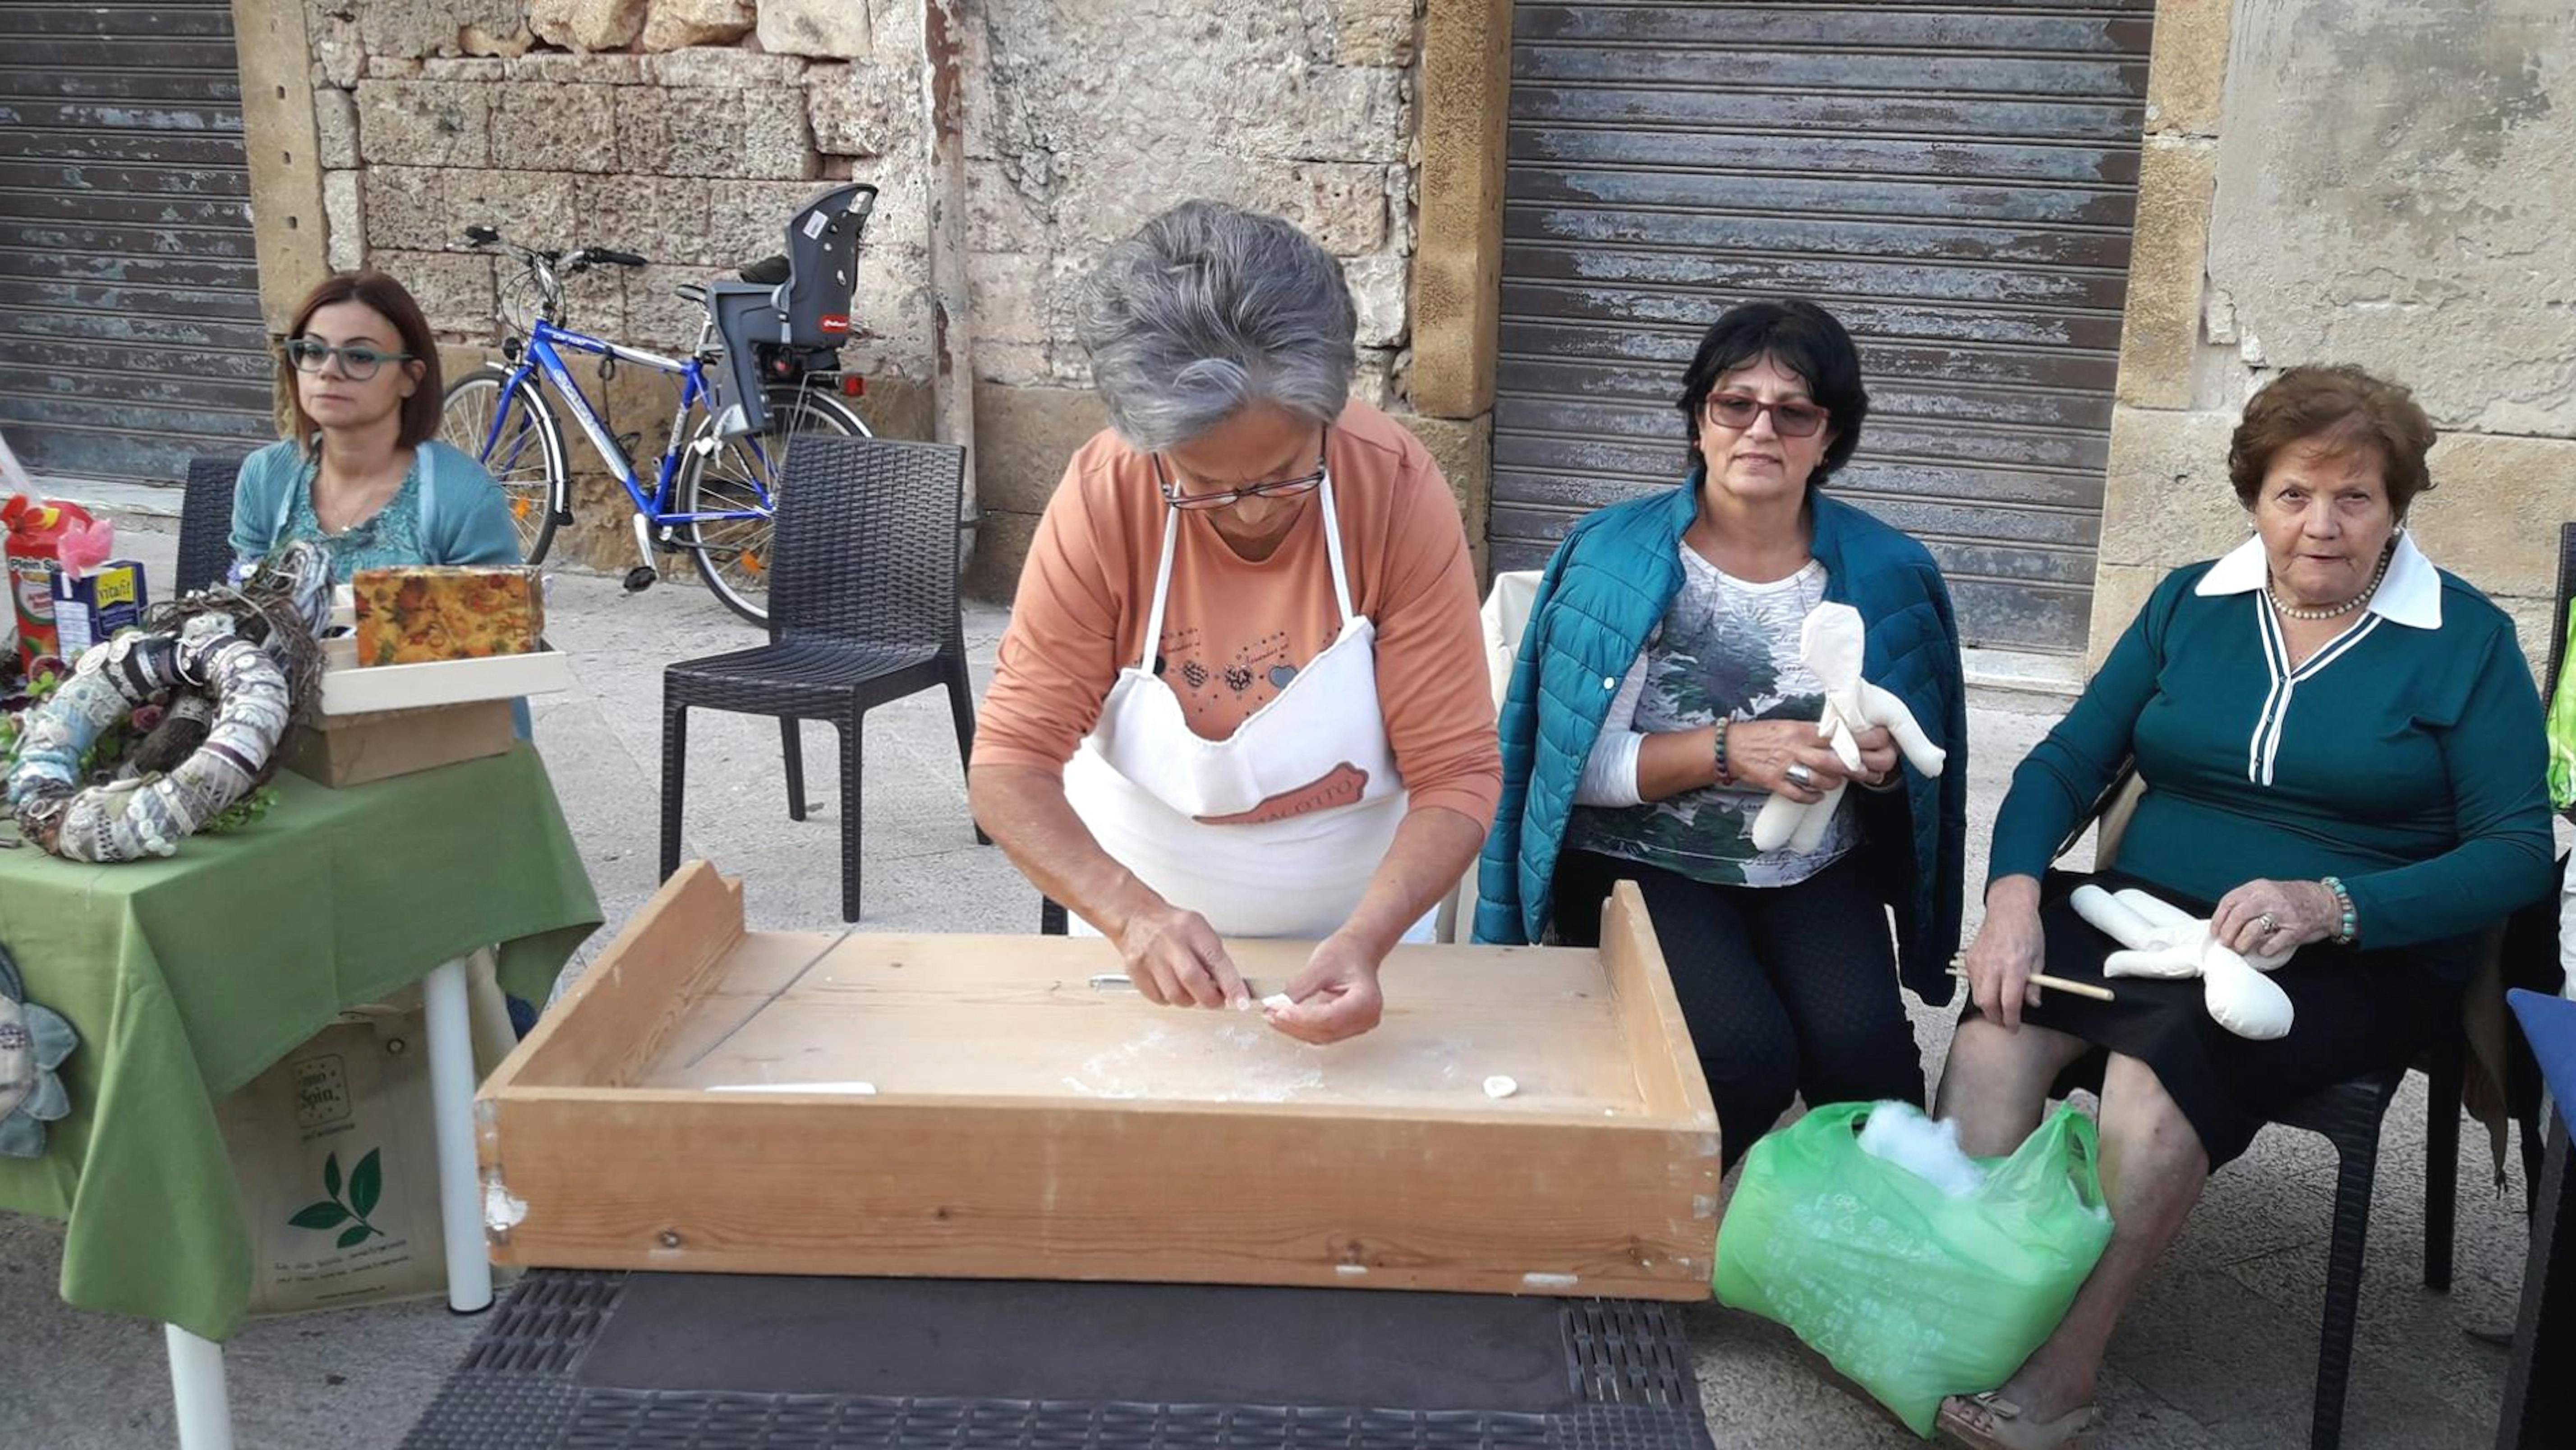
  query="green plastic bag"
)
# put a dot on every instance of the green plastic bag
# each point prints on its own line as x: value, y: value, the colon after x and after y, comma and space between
x: 1912, y: 1293
x: 2562, y: 733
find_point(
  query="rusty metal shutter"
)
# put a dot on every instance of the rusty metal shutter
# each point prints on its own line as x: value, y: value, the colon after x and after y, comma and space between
x: 1955, y: 182
x: 130, y: 334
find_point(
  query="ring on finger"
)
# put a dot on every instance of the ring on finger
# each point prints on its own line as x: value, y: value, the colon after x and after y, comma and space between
x: 1800, y: 774
x: 2268, y: 922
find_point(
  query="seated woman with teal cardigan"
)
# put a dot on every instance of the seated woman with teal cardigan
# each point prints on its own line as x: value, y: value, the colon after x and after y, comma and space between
x: 2342, y: 754
x: 1661, y: 696
x: 364, y: 474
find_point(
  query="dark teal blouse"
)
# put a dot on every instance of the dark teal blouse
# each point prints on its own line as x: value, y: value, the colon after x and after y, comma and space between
x: 2405, y: 757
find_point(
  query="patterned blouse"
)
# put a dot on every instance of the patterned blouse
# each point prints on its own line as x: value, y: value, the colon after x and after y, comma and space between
x: 389, y: 539
x: 1725, y: 648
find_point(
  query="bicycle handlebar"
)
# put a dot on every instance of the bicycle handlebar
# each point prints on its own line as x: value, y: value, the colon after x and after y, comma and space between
x: 573, y: 261
x: 546, y: 270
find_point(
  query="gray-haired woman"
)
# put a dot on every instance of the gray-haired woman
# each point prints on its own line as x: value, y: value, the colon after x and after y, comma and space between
x: 1243, y: 692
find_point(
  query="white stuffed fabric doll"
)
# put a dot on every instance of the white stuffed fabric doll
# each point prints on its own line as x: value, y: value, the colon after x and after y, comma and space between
x: 2164, y: 941
x: 1831, y: 642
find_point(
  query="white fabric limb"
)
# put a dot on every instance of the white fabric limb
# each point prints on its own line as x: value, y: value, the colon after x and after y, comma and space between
x: 1832, y: 642
x: 2164, y: 941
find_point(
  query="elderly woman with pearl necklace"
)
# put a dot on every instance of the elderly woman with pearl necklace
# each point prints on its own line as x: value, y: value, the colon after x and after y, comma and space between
x: 2343, y: 760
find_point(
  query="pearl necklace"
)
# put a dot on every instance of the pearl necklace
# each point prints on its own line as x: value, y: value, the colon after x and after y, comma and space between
x: 2331, y: 611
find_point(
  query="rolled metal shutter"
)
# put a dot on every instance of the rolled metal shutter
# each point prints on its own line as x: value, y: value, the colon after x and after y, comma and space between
x: 1955, y: 182
x: 130, y: 333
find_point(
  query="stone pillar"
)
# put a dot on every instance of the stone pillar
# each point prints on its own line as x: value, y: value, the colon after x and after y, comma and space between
x: 288, y: 229
x: 2165, y: 486
x: 1457, y: 271
x: 952, y: 318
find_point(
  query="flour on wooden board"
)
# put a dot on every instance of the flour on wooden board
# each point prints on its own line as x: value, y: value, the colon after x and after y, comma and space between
x: 1250, y: 1064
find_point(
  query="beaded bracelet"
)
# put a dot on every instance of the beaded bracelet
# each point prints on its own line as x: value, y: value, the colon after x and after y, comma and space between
x: 1724, y: 776
x: 2348, y: 929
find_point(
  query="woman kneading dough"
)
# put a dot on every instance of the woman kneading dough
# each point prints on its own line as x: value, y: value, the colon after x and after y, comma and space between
x: 1243, y: 692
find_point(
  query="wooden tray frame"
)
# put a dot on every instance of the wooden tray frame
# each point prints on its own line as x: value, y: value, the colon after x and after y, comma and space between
x: 349, y: 688
x: 583, y: 1170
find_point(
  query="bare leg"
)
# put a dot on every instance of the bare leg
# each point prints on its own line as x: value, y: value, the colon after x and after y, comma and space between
x: 1996, y: 1082
x: 2152, y: 1170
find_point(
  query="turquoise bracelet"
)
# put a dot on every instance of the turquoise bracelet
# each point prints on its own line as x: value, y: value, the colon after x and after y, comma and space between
x: 2348, y: 929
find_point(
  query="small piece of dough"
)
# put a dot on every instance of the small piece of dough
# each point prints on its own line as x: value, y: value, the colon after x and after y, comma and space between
x: 1278, y: 1002
x: 1499, y: 1086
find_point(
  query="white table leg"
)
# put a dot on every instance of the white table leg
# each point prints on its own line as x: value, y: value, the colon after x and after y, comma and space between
x: 451, y: 1091
x: 205, y: 1410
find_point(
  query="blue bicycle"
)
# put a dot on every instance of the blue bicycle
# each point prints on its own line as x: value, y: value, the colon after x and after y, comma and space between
x: 716, y: 483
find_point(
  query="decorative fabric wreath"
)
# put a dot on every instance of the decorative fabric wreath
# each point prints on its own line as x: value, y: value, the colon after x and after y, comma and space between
x: 238, y: 665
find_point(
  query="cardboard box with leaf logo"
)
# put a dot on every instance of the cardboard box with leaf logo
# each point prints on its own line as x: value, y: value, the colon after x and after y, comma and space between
x: 336, y: 1155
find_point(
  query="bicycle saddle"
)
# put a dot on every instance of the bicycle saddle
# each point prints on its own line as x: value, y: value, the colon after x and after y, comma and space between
x: 768, y: 271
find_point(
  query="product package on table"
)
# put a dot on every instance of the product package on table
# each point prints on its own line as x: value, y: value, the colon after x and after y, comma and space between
x: 420, y: 615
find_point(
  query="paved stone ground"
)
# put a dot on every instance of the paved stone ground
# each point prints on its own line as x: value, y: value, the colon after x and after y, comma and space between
x: 2219, y: 1353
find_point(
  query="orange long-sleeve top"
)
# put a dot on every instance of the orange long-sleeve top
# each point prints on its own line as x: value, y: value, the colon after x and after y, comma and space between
x: 1235, y: 630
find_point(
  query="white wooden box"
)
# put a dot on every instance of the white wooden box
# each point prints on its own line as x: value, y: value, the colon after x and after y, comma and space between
x: 349, y: 688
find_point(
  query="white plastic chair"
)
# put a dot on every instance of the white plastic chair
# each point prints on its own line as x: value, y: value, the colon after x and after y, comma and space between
x: 1506, y: 614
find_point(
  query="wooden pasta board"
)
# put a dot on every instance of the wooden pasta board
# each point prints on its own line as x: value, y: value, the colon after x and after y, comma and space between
x: 349, y: 688
x: 1021, y: 1123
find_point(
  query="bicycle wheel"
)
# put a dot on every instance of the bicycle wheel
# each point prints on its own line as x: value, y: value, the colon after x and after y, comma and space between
x: 738, y: 475
x: 524, y: 453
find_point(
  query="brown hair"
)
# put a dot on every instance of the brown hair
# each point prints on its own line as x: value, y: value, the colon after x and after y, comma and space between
x: 389, y: 297
x: 2341, y: 409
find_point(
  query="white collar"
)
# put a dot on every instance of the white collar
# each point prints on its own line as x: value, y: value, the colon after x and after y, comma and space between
x: 2410, y: 595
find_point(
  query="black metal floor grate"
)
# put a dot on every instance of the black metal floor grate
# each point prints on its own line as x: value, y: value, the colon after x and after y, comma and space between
x: 1627, y: 1377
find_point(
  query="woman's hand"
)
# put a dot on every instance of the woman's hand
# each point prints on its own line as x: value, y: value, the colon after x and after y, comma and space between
x: 2267, y: 918
x: 1335, y: 997
x: 1760, y: 752
x: 1878, y: 755
x: 2007, y: 952
x: 1175, y: 960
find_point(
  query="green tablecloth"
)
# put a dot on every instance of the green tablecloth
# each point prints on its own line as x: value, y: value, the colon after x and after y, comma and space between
x: 187, y: 977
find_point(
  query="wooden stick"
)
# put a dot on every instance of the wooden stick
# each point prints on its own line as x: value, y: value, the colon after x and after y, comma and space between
x: 2053, y: 984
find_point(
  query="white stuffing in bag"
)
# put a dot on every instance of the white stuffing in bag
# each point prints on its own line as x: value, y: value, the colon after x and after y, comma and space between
x: 1899, y: 1133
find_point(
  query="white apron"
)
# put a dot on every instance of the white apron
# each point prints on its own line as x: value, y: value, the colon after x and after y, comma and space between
x: 1187, y: 814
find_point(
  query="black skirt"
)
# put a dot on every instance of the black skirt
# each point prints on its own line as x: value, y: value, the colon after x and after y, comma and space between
x: 2357, y: 1011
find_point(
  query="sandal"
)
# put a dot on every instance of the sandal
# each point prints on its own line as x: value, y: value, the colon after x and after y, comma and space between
x: 1989, y: 1422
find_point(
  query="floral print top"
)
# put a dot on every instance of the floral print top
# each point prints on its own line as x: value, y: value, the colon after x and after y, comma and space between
x: 388, y: 540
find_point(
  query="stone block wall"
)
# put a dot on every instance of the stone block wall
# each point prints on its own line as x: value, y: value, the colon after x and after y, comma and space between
x: 2384, y: 185
x: 688, y: 130
x: 1085, y: 117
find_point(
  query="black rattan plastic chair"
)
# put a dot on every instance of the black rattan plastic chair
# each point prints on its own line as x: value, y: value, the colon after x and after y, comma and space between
x: 205, y: 523
x: 862, y: 611
x: 2348, y: 1115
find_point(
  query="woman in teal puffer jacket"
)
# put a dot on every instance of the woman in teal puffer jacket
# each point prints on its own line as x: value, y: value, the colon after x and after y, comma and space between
x: 1660, y: 697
